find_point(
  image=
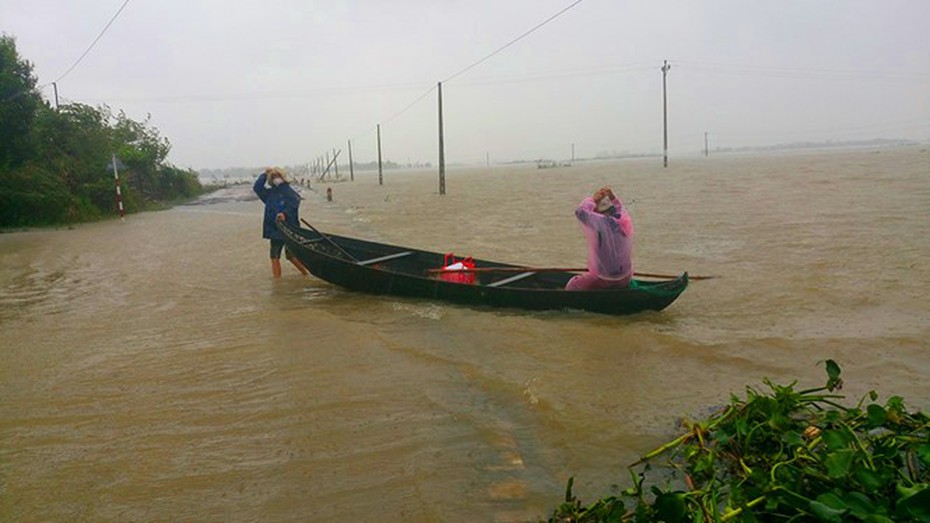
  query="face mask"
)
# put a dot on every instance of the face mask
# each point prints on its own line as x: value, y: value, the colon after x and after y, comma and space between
x: 277, y: 181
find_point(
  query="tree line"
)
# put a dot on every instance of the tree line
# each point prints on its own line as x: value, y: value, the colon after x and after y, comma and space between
x: 55, y: 162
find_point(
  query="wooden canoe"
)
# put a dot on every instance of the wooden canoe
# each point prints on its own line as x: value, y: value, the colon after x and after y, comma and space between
x: 379, y: 268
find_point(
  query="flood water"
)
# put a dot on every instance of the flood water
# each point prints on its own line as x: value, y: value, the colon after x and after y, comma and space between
x: 153, y: 370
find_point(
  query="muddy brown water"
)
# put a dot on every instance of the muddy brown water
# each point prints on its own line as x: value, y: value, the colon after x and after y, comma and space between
x: 152, y: 370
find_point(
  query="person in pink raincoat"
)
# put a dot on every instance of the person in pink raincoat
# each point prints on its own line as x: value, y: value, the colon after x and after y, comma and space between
x: 608, y: 230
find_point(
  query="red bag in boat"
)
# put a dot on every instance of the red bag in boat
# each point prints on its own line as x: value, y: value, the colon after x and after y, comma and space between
x: 449, y: 263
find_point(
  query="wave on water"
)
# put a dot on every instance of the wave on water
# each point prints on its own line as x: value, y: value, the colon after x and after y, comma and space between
x: 235, y: 193
x: 429, y: 312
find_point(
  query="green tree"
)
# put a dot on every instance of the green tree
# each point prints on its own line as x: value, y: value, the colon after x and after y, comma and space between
x: 19, y: 103
x: 74, y: 142
x: 30, y: 195
x: 143, y: 150
x: 54, y: 162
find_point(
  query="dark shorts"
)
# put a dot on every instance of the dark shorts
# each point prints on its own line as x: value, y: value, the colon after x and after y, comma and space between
x: 276, y: 246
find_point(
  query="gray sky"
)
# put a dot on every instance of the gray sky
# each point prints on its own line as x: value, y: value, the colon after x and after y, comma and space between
x: 252, y: 83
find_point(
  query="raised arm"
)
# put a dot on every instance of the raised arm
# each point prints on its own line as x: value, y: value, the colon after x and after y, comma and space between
x: 260, y: 188
x: 585, y: 210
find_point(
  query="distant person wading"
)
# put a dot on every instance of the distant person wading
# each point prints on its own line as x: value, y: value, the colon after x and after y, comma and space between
x: 282, y: 203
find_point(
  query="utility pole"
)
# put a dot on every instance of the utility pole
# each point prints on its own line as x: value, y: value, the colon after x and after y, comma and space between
x: 705, y: 144
x: 351, y: 167
x: 573, y: 152
x: 380, y: 171
x: 119, y: 193
x: 665, y: 68
x: 335, y: 164
x: 55, y: 85
x: 442, y: 149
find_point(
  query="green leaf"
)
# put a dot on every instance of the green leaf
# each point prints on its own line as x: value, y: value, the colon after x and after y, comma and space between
x: 833, y: 373
x: 605, y: 509
x: 779, y: 422
x: 873, y: 395
x: 836, y: 439
x: 859, y: 504
x: 885, y: 449
x: 916, y: 505
x: 670, y: 507
x: 704, y: 464
x: 826, y: 513
x: 876, y: 415
x: 839, y: 462
x: 793, y: 439
x: 895, y: 403
x: 872, y: 481
x: 923, y: 453
x: 742, y: 427
x: 833, y: 501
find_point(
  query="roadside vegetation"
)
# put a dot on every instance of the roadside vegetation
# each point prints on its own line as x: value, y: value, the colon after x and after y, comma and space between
x: 55, y: 163
x: 780, y: 454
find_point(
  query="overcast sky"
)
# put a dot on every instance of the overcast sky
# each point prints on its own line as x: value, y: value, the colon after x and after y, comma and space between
x: 254, y: 83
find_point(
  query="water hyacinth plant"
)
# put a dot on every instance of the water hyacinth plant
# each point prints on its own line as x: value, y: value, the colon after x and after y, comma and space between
x: 781, y: 454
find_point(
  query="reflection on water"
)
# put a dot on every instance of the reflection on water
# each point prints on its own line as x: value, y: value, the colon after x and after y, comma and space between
x: 154, y: 371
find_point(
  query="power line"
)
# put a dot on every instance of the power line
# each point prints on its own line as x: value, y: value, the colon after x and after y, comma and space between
x: 793, y: 72
x: 78, y: 61
x: 515, y: 40
x: 362, y: 88
x: 267, y: 95
x: 411, y: 104
x: 571, y: 73
x: 505, y: 46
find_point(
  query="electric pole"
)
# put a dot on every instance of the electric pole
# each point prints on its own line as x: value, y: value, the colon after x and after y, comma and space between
x: 665, y: 68
x: 705, y: 144
x: 55, y: 85
x: 442, y: 148
x: 335, y: 164
x: 351, y: 167
x: 380, y: 171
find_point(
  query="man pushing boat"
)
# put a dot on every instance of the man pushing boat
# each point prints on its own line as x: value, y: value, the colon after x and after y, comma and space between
x: 282, y: 203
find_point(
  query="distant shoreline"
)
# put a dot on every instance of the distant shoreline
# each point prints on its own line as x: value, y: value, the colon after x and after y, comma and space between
x: 847, y: 144
x: 209, y: 176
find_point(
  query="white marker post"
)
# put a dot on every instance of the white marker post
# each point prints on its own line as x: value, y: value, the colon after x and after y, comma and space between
x: 119, y: 195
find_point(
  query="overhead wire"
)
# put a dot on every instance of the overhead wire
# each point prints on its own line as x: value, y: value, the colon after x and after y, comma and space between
x: 402, y: 111
x: 515, y: 40
x: 482, y: 60
x: 485, y: 58
x: 572, y: 73
x: 355, y: 89
x: 802, y: 73
x: 268, y: 95
x: 92, y: 44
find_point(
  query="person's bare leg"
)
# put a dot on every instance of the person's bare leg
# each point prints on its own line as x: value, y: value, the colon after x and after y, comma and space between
x: 276, y: 267
x: 300, y: 266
